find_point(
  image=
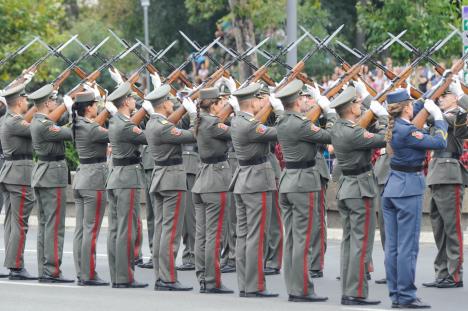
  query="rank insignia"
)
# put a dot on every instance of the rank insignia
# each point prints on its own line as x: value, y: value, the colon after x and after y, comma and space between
x: 176, y: 132
x: 417, y: 135
x: 164, y: 122
x: 261, y: 129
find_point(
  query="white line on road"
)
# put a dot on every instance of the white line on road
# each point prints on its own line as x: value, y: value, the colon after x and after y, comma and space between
x: 357, y: 308
x: 39, y: 284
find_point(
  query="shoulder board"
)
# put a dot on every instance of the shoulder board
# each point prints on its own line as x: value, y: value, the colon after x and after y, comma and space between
x: 252, y: 119
x: 17, y: 116
x: 350, y: 125
x: 164, y: 122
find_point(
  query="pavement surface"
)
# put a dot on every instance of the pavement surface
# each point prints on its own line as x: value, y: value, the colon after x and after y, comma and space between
x: 30, y: 295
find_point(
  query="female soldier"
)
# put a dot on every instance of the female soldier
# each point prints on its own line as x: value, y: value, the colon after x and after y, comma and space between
x: 89, y: 186
x: 210, y: 191
x: 402, y: 198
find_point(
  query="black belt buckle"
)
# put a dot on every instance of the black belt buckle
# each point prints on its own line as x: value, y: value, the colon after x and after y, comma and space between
x: 406, y: 169
x: 51, y: 158
x: 252, y: 161
x: 300, y: 164
x: 169, y: 162
x: 126, y: 161
x: 214, y: 160
x: 93, y: 160
x: 357, y: 171
x: 16, y: 157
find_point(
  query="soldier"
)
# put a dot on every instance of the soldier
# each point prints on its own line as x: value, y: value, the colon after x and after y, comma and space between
x: 168, y: 186
x: 300, y: 187
x: 357, y: 193
x: 4, y: 199
x: 89, y: 186
x: 447, y: 178
x: 49, y: 181
x: 252, y: 185
x: 402, y: 198
x: 15, y: 177
x: 210, y: 191
x: 124, y: 184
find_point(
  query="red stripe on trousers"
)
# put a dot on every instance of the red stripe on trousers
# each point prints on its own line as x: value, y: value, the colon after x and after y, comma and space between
x: 456, y: 275
x: 129, y: 236
x: 136, y: 252
x: 322, y: 228
x: 280, y: 224
x: 173, y: 236
x: 219, y: 231
x: 261, y: 285
x: 97, y: 216
x: 19, y: 251
x: 305, y: 263
x: 362, y: 265
x: 56, y: 227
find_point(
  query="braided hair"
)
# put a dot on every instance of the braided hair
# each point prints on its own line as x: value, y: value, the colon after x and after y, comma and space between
x: 394, y: 111
x: 78, y: 109
x: 204, y: 105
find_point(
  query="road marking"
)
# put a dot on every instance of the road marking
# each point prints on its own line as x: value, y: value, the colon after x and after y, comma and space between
x: 39, y: 284
x: 357, y: 308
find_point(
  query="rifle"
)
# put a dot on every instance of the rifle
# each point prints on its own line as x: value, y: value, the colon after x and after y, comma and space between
x: 440, y: 88
x: 415, y: 93
x: 19, y: 51
x: 33, y: 67
x: 95, y: 74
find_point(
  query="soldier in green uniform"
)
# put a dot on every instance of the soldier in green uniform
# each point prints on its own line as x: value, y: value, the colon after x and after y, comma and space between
x: 300, y: 187
x: 252, y: 184
x: 148, y: 165
x: 124, y: 185
x: 447, y: 179
x: 357, y: 193
x: 49, y: 181
x: 210, y: 191
x: 15, y: 177
x: 89, y: 186
x: 168, y: 186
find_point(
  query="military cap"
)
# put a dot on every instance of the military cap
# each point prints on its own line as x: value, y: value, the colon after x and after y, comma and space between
x: 209, y: 93
x: 121, y: 91
x: 290, y: 92
x: 160, y: 95
x: 347, y: 96
x: 13, y: 92
x: 44, y: 93
x: 398, y: 96
x: 224, y: 90
x: 85, y: 97
x: 250, y: 91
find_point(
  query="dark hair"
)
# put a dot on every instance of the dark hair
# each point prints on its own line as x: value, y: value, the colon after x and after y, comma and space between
x: 78, y: 110
x: 205, y: 104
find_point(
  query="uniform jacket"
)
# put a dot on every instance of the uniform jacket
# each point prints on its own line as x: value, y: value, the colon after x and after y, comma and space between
x: 251, y: 140
x: 125, y: 139
x: 212, y: 141
x: 15, y: 135
x: 165, y: 142
x: 91, y: 142
x: 48, y: 140
x: 190, y: 154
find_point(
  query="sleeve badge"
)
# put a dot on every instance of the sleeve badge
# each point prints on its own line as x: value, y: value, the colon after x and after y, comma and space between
x: 176, y: 132
x: 368, y: 135
x: 417, y: 135
x: 261, y: 129
x: 222, y: 126
x: 314, y: 128
x: 25, y: 123
x: 136, y: 130
x: 54, y: 128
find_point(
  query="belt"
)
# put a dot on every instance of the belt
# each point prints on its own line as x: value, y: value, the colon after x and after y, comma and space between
x: 252, y: 161
x: 189, y: 148
x: 447, y: 155
x: 51, y: 158
x: 169, y: 162
x: 300, y: 164
x: 214, y: 160
x: 126, y: 161
x: 406, y: 169
x: 15, y: 157
x: 357, y: 171
x: 93, y: 160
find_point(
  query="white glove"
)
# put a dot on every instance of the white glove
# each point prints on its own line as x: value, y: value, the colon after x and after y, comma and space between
x: 111, y: 108
x: 324, y: 104
x: 408, y: 86
x: 220, y: 82
x: 378, y: 109
x: 456, y: 88
x: 361, y: 89
x: 231, y: 85
x: 88, y: 87
x: 148, y: 107
x: 433, y: 109
x: 155, y: 80
x: 189, y: 105
x: 234, y: 103
x: 313, y: 91
x: 28, y: 76
x: 96, y: 91
x: 115, y: 76
x: 68, y: 102
x: 275, y: 103
x: 2, y: 100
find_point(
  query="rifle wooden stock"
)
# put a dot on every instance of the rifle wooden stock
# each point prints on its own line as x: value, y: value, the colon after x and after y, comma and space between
x: 91, y: 78
x: 57, y: 113
x: 30, y: 114
x: 82, y: 74
x: 224, y: 114
x: 138, y: 116
x: 369, y: 88
x: 348, y: 75
x: 314, y: 113
x: 102, y: 117
x: 440, y: 70
x: 61, y: 79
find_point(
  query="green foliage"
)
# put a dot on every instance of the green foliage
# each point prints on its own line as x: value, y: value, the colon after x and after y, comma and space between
x: 426, y: 21
x: 71, y: 156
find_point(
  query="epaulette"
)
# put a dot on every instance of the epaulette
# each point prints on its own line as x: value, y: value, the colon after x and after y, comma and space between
x: 164, y: 122
x: 252, y: 119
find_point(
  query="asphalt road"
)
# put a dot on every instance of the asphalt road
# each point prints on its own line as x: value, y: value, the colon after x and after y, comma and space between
x: 30, y: 295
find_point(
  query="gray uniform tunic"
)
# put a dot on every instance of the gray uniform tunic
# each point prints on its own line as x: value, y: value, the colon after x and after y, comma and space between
x: 49, y: 180
x: 89, y: 191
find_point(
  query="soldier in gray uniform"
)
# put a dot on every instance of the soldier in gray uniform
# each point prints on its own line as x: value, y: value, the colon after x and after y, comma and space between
x: 15, y: 178
x: 357, y: 193
x: 210, y: 191
x: 49, y: 181
x: 300, y: 187
x: 447, y: 179
x: 168, y: 187
x: 252, y: 184
x: 124, y: 185
x: 89, y: 186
